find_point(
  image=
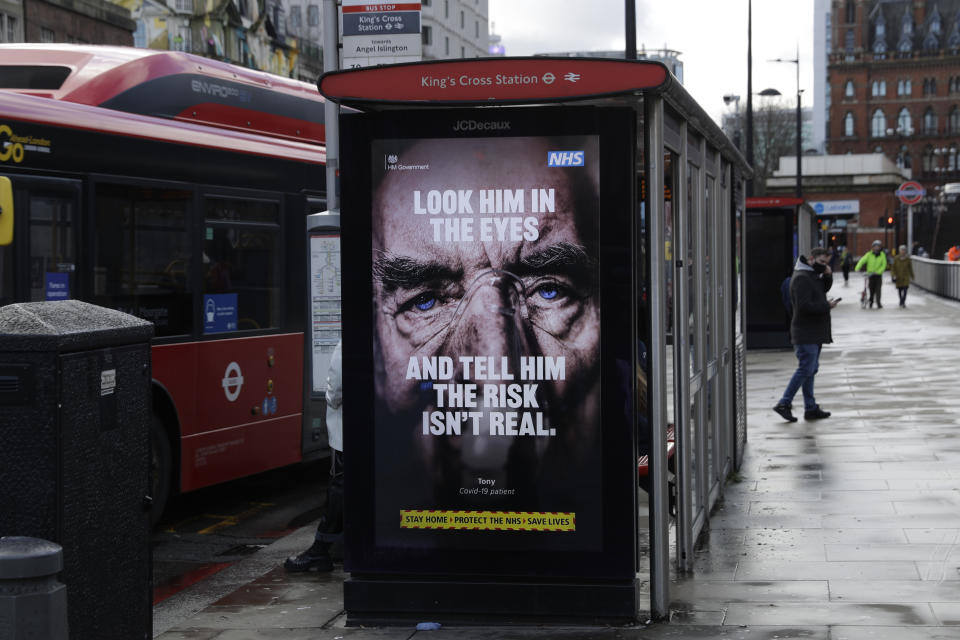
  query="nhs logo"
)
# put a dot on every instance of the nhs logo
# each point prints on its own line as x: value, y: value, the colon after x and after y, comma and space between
x: 565, y: 158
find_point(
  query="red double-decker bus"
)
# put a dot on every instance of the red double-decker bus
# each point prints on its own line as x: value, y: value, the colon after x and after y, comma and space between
x: 173, y: 188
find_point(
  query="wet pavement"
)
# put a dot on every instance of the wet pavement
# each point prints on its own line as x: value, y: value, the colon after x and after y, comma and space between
x: 841, y: 529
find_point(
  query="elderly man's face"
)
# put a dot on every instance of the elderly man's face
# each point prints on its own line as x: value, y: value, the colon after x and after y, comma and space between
x: 485, y: 298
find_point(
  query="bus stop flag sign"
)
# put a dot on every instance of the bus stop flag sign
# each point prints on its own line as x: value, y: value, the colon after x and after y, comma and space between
x: 910, y: 192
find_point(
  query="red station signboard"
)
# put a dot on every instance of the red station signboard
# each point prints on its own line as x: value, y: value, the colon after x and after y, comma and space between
x: 493, y: 81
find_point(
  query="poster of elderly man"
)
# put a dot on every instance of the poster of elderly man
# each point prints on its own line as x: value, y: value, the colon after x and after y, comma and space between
x: 485, y: 341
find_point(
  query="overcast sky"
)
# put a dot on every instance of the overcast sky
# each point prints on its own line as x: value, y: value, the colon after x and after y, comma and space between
x: 711, y: 36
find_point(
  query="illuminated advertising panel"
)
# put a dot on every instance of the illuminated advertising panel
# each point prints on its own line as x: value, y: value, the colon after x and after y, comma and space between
x: 485, y: 428
x: 487, y: 331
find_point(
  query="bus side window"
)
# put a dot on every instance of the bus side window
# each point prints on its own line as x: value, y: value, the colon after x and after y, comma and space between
x: 142, y: 255
x: 241, y: 264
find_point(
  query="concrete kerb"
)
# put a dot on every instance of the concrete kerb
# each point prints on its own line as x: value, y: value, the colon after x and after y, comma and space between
x: 179, y: 608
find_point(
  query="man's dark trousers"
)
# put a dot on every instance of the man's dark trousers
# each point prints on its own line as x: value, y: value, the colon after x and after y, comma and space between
x: 875, y: 283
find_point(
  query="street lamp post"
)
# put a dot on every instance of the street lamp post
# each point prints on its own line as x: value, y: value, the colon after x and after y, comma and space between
x: 727, y: 99
x: 796, y: 61
x: 940, y: 153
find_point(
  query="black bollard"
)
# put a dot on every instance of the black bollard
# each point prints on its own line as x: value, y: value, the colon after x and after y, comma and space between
x: 33, y: 603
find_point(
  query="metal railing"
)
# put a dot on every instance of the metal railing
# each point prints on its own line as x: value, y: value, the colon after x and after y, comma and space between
x: 937, y: 276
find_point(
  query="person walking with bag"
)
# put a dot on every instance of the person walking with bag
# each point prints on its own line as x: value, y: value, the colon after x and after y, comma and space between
x: 875, y: 263
x: 809, y: 331
x: 902, y: 273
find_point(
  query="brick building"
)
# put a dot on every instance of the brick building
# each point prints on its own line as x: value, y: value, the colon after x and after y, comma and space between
x: 893, y: 73
x: 851, y: 196
x: 90, y: 21
x: 894, y: 83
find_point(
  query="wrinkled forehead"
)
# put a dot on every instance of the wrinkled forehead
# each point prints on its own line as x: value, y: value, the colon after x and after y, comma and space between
x: 504, y: 169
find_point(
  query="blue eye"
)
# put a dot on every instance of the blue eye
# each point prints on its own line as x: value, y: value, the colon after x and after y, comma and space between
x: 425, y: 303
x: 548, y: 293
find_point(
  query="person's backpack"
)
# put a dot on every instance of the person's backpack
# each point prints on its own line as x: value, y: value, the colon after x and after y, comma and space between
x: 785, y: 295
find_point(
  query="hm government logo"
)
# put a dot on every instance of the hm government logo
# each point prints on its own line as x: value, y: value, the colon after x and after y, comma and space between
x: 391, y: 162
x: 565, y: 158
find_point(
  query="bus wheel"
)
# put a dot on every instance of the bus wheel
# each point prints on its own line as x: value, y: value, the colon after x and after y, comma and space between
x: 160, y: 463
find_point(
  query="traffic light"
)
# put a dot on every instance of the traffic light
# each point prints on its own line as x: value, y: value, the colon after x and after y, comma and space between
x: 889, y: 222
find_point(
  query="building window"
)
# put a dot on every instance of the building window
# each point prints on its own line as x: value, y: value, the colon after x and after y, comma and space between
x: 425, y: 3
x: 313, y: 16
x: 851, y: 12
x: 848, y: 90
x: 848, y: 41
x: 927, y: 160
x: 8, y: 28
x: 463, y: 21
x: 955, y: 120
x: 446, y: 8
x: 829, y: 34
x: 880, y: 37
x: 904, y: 123
x: 929, y: 86
x: 427, y: 35
x: 952, y: 158
x: 476, y: 29
x: 879, y: 88
x: 904, y: 87
x: 930, y: 122
x: 905, y: 46
x: 280, y: 20
x: 446, y: 45
x: 848, y: 124
x: 463, y: 52
x: 46, y: 35
x: 878, y: 124
x: 903, y: 158
x: 296, y: 19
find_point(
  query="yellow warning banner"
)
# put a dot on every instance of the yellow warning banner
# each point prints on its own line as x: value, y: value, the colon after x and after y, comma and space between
x: 488, y: 520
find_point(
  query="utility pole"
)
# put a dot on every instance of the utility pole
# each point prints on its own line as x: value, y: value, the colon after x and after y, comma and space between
x: 750, y: 93
x: 331, y: 113
x: 630, y: 13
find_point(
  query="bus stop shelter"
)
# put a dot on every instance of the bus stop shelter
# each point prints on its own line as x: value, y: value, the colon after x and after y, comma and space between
x: 780, y: 229
x: 542, y: 297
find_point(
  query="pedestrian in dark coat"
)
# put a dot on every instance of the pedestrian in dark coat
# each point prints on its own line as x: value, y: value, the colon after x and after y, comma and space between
x: 809, y: 331
x: 846, y: 263
x: 902, y: 273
